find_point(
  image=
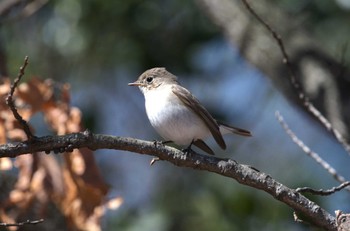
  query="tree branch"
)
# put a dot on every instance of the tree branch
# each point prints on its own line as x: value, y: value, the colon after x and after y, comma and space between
x: 331, y: 170
x: 323, y: 192
x: 27, y: 222
x: 11, y: 103
x: 243, y: 174
x: 295, y: 83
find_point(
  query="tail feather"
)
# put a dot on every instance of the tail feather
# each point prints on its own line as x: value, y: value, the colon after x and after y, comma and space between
x: 225, y: 129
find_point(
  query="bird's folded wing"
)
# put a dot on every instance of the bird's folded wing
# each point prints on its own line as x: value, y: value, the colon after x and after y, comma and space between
x: 189, y: 100
x: 224, y: 129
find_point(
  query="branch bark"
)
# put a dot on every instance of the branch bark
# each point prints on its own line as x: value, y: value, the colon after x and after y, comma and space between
x: 243, y: 174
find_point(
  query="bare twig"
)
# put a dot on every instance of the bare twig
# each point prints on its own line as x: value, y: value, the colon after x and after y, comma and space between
x: 23, y: 9
x: 155, y: 159
x: 31, y: 8
x: 308, y: 151
x: 323, y: 192
x: 296, y: 218
x: 11, y: 104
x: 278, y: 39
x: 27, y: 222
x: 295, y: 83
x: 299, y: 220
x: 8, y: 5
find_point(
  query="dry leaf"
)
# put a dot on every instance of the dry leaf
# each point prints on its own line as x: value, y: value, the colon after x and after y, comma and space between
x: 79, y: 193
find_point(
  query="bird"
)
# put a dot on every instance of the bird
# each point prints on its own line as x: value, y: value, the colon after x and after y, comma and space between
x: 342, y: 220
x: 177, y: 115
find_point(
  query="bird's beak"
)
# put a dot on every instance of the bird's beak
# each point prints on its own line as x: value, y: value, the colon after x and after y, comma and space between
x: 135, y: 84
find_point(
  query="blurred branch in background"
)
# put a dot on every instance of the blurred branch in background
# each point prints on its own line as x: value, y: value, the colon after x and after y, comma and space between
x: 304, y: 101
x: 18, y: 9
x: 322, y: 77
x: 332, y: 171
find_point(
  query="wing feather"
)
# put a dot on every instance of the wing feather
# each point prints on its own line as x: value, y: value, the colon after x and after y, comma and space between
x: 189, y: 100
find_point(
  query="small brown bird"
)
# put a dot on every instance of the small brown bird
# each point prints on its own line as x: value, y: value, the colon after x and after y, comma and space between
x: 177, y: 115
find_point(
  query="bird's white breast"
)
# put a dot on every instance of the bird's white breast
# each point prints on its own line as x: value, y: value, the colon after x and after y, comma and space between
x: 172, y: 119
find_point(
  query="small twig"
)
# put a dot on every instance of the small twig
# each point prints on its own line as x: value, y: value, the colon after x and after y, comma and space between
x: 27, y: 222
x: 308, y: 151
x: 11, y: 104
x: 323, y: 192
x: 276, y: 36
x: 296, y: 218
x: 299, y: 220
x: 295, y: 83
x: 155, y: 159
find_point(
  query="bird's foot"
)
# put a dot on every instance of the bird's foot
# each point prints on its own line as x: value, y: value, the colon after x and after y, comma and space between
x: 188, y: 151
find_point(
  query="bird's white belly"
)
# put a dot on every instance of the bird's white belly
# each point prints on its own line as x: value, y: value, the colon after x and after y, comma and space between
x: 172, y: 119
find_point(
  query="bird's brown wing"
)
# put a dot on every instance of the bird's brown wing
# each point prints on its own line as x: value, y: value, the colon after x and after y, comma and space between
x: 189, y: 100
x: 235, y: 130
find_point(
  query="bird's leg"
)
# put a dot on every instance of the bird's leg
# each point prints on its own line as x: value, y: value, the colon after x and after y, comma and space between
x: 188, y: 150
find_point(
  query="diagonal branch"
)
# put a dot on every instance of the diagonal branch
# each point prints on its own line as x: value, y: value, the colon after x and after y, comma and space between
x: 332, y: 171
x: 226, y: 167
x: 322, y: 192
x: 237, y: 27
x: 295, y: 83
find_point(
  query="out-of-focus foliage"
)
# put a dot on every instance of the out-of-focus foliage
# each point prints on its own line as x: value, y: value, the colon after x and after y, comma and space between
x: 89, y: 35
x: 69, y: 192
x: 328, y: 21
x: 148, y: 32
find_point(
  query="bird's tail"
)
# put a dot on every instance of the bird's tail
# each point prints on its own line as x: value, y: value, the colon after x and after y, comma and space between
x: 225, y: 129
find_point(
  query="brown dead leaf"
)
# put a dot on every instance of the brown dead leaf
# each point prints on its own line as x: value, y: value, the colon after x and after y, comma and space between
x: 76, y: 187
x: 12, y: 127
x: 36, y: 93
x: 4, y: 90
x: 77, y: 163
x: 2, y: 131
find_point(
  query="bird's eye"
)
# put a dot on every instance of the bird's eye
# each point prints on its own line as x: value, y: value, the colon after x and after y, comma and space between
x: 149, y: 79
x: 343, y: 219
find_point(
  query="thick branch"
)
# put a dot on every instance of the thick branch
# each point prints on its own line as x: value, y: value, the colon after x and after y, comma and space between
x: 225, y: 167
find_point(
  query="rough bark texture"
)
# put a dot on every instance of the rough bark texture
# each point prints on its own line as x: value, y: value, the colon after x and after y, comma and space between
x: 226, y: 167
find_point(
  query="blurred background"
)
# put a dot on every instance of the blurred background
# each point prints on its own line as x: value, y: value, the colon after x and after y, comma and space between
x: 98, y: 47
